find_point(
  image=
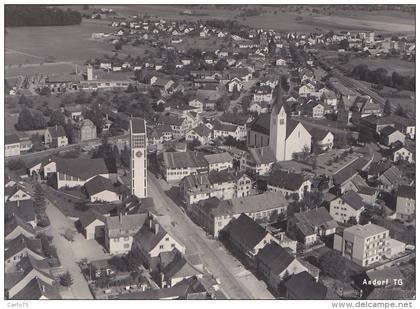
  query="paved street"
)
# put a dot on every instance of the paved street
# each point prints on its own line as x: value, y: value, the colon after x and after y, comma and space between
x: 66, y: 253
x: 236, y: 282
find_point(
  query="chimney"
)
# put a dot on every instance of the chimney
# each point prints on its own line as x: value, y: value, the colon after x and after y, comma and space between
x: 120, y: 217
x: 156, y: 228
x: 56, y: 127
x: 150, y: 222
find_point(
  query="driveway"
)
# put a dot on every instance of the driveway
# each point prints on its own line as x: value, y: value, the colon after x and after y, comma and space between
x: 66, y: 253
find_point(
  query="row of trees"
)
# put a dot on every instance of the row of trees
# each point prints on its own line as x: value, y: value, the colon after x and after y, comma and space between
x: 39, y: 15
x: 380, y: 76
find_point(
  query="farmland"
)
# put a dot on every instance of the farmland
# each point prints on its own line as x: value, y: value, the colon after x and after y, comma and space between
x: 391, y: 65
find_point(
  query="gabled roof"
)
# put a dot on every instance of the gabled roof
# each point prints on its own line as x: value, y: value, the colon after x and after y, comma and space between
x: 35, y: 289
x: 287, y: 180
x: 11, y: 139
x: 261, y: 124
x: 217, y: 177
x: 202, y: 130
x: 218, y: 158
x: 276, y: 258
x: 124, y: 225
x: 218, y: 126
x: 16, y: 222
x: 98, y: 184
x: 317, y: 217
x: 85, y: 168
x: 232, y: 118
x: 353, y: 200
x: 57, y: 131
x: 183, y: 159
x: 88, y: 217
x: 171, y: 120
x: 318, y: 134
x: 263, y: 155
x: 304, y: 287
x: 388, y: 130
x: 149, y: 237
x: 22, y: 209
x: 246, y: 231
x: 179, y: 268
x: 21, y: 242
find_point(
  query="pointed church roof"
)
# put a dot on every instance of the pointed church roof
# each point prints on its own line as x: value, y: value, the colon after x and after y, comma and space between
x: 280, y: 102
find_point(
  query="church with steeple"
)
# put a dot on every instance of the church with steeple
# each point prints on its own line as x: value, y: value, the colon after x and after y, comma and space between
x: 283, y: 135
x: 287, y: 136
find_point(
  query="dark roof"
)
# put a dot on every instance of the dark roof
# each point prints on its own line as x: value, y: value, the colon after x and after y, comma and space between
x: 220, y: 177
x: 183, y: 159
x: 377, y: 168
x: 202, y: 130
x: 261, y: 124
x: 35, y: 289
x: 98, y: 184
x: 350, y: 170
x: 276, y: 258
x: 304, y: 286
x: 89, y: 217
x: 287, y: 180
x: 86, y: 168
x: 388, y: 130
x: 353, y: 199
x: 317, y: 217
x: 138, y: 125
x: 224, y: 127
x: 171, y: 120
x: 15, y: 222
x: 233, y: 118
x: 291, y: 125
x: 21, y: 242
x: 263, y: 155
x: 318, y: 134
x: 22, y: 209
x: 407, y: 192
x: 246, y: 231
x: 11, y: 139
x: 57, y: 131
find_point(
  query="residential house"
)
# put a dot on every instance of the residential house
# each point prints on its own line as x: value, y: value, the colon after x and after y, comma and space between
x: 322, y: 138
x: 22, y: 209
x: 16, y: 227
x: 55, y: 137
x: 258, y: 161
x: 246, y: 236
x: 307, y: 226
x: 153, y: 239
x: 347, y: 206
x: 262, y: 93
x: 16, y: 192
x: 20, y: 247
x: 389, y: 135
x: 177, y: 165
x: 406, y: 203
x: 214, y: 214
x: 201, y: 133
x: 275, y: 264
x: 288, y: 183
x: 404, y: 153
x: 11, y: 145
x: 101, y: 189
x: 86, y: 130
x: 303, y: 286
x: 219, y: 161
x: 120, y: 230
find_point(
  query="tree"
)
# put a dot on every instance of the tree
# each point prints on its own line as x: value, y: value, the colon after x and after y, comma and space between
x: 25, y: 120
x: 57, y: 118
x: 387, y: 108
x: 66, y: 279
x: 39, y: 200
x: 69, y: 129
x: 15, y: 165
x: 400, y: 111
x: 37, y: 144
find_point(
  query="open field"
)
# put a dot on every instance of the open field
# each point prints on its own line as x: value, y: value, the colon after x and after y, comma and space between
x: 391, y: 65
x: 280, y: 18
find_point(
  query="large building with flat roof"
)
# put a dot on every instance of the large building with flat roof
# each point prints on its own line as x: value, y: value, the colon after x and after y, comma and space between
x: 138, y: 162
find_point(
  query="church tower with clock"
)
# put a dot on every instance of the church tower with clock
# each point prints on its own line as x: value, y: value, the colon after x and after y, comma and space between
x: 278, y: 127
x: 138, y: 162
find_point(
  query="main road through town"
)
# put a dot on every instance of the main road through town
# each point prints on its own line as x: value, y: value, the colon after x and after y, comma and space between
x: 235, y: 281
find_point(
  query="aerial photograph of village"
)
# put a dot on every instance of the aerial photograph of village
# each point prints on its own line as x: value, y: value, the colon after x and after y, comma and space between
x: 209, y: 152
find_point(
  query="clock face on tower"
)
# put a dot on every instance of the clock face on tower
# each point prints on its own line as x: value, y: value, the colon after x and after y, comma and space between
x: 139, y: 154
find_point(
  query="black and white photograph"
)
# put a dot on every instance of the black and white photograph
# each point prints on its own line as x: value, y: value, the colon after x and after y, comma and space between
x: 209, y: 151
